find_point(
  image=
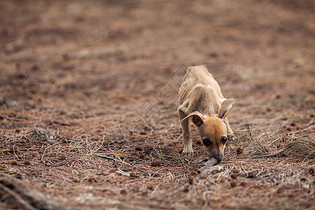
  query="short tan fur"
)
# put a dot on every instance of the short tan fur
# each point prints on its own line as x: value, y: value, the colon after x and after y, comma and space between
x: 201, y: 100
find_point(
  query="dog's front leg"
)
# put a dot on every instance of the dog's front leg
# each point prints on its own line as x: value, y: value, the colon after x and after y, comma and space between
x: 185, y: 129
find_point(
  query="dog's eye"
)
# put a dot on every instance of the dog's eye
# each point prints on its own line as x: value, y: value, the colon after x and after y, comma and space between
x: 224, y: 140
x: 206, y: 142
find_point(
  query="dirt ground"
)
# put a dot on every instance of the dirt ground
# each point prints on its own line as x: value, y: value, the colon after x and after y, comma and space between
x: 83, y: 78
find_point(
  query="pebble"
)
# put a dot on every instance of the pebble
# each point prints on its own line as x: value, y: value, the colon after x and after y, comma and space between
x: 191, y: 180
x: 27, y: 163
x: 239, y: 150
x: 251, y: 175
x: 235, y: 171
x: 243, y: 184
x: 18, y: 176
x: 133, y: 174
x: 150, y: 187
x: 76, y: 180
x: 123, y: 192
x: 193, y: 173
x: 155, y: 163
x: 13, y: 162
x: 233, y: 183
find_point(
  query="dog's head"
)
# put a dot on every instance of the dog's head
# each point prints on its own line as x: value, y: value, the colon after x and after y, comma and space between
x: 213, y: 131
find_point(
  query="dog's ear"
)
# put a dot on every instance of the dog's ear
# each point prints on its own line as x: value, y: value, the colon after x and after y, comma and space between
x: 225, y: 107
x: 197, y: 118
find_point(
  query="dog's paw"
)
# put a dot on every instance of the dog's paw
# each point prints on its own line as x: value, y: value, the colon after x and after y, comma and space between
x: 188, y: 150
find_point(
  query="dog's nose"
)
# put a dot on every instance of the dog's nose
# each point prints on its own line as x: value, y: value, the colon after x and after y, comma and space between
x: 219, y: 159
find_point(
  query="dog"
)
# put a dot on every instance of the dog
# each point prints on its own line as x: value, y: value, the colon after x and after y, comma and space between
x: 201, y: 100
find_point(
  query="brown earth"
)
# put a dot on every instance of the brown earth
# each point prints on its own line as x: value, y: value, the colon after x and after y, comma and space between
x: 84, y: 77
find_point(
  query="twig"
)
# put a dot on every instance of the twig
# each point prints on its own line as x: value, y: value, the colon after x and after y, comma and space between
x: 290, y: 133
x: 17, y: 197
x: 122, y: 173
x: 106, y: 153
x: 260, y: 147
x: 114, y: 159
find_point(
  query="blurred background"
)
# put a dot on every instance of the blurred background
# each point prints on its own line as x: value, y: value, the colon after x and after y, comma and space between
x: 97, y: 48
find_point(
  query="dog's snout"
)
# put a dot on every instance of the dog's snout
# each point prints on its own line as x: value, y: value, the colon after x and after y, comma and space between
x: 219, y: 159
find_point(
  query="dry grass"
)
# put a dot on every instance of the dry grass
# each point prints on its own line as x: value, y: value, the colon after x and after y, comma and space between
x: 101, y: 78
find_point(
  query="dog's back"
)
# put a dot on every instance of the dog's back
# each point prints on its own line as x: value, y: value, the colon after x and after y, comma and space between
x: 198, y: 75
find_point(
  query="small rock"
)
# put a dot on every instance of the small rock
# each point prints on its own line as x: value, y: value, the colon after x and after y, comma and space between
x: 138, y: 149
x: 311, y: 171
x: 35, y: 68
x: 18, y: 176
x: 13, y: 162
x: 268, y: 109
x: 251, y: 175
x: 27, y: 163
x: 150, y: 187
x: 193, y: 173
x: 191, y: 180
x: 243, y: 184
x: 222, y: 180
x: 123, y: 192
x: 239, y: 150
x: 141, y: 156
x: 145, y: 174
x: 233, y: 183
x: 133, y: 174
x: 233, y: 176
x: 76, y: 180
x: 281, y: 190
x: 235, y: 171
x: 155, y: 163
x: 186, y: 189
x: 62, y: 157
x: 293, y: 124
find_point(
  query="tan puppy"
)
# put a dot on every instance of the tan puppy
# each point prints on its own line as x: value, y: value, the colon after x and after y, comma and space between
x: 201, y: 99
